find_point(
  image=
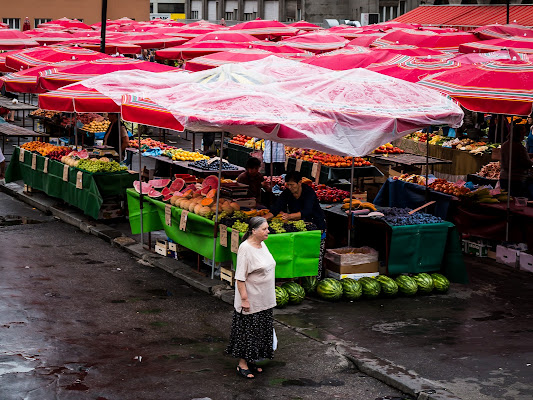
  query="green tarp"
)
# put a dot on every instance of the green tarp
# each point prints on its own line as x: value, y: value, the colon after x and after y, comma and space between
x: 296, y: 254
x: 96, y: 186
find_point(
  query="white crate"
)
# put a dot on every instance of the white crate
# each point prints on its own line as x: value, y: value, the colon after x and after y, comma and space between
x: 507, y: 256
x: 526, y: 262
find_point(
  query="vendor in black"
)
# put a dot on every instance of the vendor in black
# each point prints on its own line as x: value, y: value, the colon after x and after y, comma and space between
x: 115, y: 132
x: 253, y: 178
x: 298, y: 201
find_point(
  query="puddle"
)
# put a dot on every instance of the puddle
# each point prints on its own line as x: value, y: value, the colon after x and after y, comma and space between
x: 13, y: 220
x: 10, y: 364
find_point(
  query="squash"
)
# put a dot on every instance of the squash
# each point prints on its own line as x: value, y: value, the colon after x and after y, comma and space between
x: 227, y: 208
x: 184, y: 204
x: 173, y: 200
x: 197, y: 208
x: 235, y: 206
x: 212, y: 194
x: 192, y: 204
x: 207, y: 201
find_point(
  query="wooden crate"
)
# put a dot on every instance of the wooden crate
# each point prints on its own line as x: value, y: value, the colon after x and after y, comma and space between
x: 228, y: 275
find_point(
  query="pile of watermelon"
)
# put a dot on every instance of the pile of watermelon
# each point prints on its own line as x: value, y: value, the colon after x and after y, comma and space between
x: 370, y: 288
x: 289, y: 293
x: 166, y: 188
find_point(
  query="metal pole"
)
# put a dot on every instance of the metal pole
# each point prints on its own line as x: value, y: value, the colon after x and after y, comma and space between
x: 509, y: 181
x: 73, y: 116
x: 508, y: 10
x: 120, y: 139
x: 141, y: 185
x: 271, y: 170
x: 427, y: 167
x: 215, y: 233
x: 103, y: 31
x: 350, y: 216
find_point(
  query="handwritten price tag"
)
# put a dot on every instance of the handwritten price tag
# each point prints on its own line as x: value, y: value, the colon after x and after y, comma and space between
x: 183, y: 220
x: 168, y: 214
x: 223, y: 235
x: 79, y: 180
x: 34, y: 161
x: 299, y: 162
x: 65, y: 173
x: 21, y: 155
x: 45, y: 168
x: 235, y: 241
x: 314, y: 170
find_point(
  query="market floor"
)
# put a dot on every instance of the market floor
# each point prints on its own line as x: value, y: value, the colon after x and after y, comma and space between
x: 82, y: 320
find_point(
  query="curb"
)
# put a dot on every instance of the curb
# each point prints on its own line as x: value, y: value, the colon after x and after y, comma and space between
x: 385, y: 371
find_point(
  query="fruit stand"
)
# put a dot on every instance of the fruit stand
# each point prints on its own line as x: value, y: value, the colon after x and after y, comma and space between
x: 80, y: 188
x: 296, y: 253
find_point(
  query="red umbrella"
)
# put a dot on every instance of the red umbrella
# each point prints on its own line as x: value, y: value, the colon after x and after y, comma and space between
x: 413, y: 51
x: 497, y: 31
x: 54, y: 78
x: 265, y: 29
x: 13, y: 39
x: 414, y: 69
x: 280, y: 48
x: 396, y: 25
x: 48, y: 38
x: 166, y: 30
x: 226, y: 57
x: 351, y: 32
x: 480, y: 58
x: 499, y: 87
x: 205, y: 24
x: 316, y: 42
x: 521, y: 45
x: 190, y: 32
x: 365, y: 39
x: 111, y: 46
x: 342, y: 62
x: 66, y: 23
x: 49, y: 55
x: 227, y: 36
x: 166, y: 22
x: 187, y: 51
x: 440, y: 41
x: 305, y: 26
x: 150, y: 41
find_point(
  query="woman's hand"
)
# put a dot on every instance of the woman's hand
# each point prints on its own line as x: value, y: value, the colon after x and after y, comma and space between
x: 245, y: 304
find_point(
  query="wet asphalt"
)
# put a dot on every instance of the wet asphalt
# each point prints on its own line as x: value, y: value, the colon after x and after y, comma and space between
x: 82, y: 320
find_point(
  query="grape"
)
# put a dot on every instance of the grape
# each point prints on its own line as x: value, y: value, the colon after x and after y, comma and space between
x: 240, y: 226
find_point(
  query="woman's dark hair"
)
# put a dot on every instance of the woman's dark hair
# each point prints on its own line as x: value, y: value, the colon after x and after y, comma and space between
x: 254, y: 223
x: 293, y: 176
x: 252, y: 163
x: 519, y: 130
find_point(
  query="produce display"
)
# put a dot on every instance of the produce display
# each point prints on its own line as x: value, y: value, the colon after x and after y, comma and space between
x: 411, y: 178
x: 149, y: 143
x: 441, y: 284
x: 324, y: 158
x: 370, y: 286
x: 99, y: 165
x: 282, y: 297
x: 96, y: 126
x: 389, y: 287
x: 486, y: 195
x: 491, y: 170
x: 401, y: 217
x: 184, y: 155
x: 442, y: 185
x: 295, y: 291
x: 212, y: 165
x: 43, y: 148
x: 357, y: 205
x: 329, y: 289
x: 388, y: 149
x: 58, y: 154
x: 465, y: 144
x: 351, y: 289
x: 309, y: 283
x: 44, y: 113
x: 325, y: 194
x: 406, y: 285
x: 424, y: 282
x: 240, y: 139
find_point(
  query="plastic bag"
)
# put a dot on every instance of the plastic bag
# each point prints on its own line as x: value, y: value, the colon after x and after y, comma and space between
x: 274, y: 340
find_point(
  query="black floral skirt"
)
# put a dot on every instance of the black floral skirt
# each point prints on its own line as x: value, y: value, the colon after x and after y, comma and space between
x: 251, y: 336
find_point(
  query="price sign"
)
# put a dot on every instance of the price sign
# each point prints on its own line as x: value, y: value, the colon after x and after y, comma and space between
x: 45, y: 168
x: 79, y: 180
x: 314, y: 170
x: 21, y: 154
x: 34, y: 161
x: 235, y: 241
x: 65, y: 173
x: 168, y: 214
x: 223, y: 235
x: 299, y: 162
x: 183, y: 220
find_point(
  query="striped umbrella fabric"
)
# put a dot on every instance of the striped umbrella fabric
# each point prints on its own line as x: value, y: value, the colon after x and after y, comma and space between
x: 280, y: 48
x: 265, y: 29
x: 150, y: 41
x: 364, y: 39
x: 499, y: 87
x: 225, y: 57
x: 346, y: 61
x: 305, y: 26
x: 439, y: 41
x: 226, y: 36
x: 497, y: 31
x: 13, y: 39
x: 49, y: 55
x: 188, y: 51
x: 414, y: 69
x: 316, y: 42
x: 111, y: 46
x: 519, y: 44
x: 50, y: 38
x: 66, y: 23
x: 482, y: 58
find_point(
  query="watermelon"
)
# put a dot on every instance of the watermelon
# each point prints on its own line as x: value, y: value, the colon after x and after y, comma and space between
x: 424, y: 282
x: 154, y: 194
x: 205, y: 190
x: 159, y: 183
x: 282, y: 297
x: 440, y: 282
x: 406, y: 285
x: 371, y: 287
x: 166, y: 191
x: 167, y: 197
x: 388, y: 286
x: 83, y: 154
x: 210, y: 181
x: 295, y: 291
x: 329, y: 289
x: 351, y: 289
x: 309, y: 284
x: 146, y: 187
x: 176, y: 185
x: 191, y: 187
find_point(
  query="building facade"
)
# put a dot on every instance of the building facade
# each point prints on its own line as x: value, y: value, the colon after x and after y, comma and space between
x: 88, y: 11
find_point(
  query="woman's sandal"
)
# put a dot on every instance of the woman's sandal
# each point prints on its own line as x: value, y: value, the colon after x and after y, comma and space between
x: 244, y: 373
x: 254, y: 368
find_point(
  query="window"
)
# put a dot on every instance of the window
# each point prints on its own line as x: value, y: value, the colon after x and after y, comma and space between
x: 14, y: 23
x: 151, y: 7
x: 194, y: 14
x: 39, y: 21
x: 250, y: 16
x: 290, y: 19
x: 173, y: 8
x: 228, y: 16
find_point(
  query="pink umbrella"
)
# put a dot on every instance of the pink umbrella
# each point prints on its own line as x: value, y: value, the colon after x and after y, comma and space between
x: 414, y: 69
x: 66, y: 23
x: 316, y: 42
x: 227, y: 36
x: 150, y: 41
x: 111, y: 46
x: 166, y: 30
x: 439, y: 41
x: 49, y: 38
x: 226, y: 57
x: 280, y: 48
x: 342, y: 62
x: 190, y: 32
x: 305, y: 26
x: 205, y: 24
x: 519, y: 44
x: 413, y: 51
x: 57, y: 77
x: 480, y: 58
x: 351, y: 32
x: 4, y: 26
x: 166, y: 22
x: 49, y: 55
x: 187, y: 51
x: 264, y: 29
x: 497, y: 31
x: 396, y: 25
x: 13, y: 39
x: 365, y: 39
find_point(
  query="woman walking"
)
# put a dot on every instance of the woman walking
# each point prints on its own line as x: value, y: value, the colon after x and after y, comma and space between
x: 252, y: 330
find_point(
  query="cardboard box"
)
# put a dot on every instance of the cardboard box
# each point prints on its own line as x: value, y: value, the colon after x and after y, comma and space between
x: 335, y: 275
x: 360, y: 196
x: 507, y: 256
x: 351, y: 255
x: 526, y: 262
x: 475, y: 249
x: 351, y: 269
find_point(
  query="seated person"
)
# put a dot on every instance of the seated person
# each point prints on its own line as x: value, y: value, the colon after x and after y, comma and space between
x: 253, y: 178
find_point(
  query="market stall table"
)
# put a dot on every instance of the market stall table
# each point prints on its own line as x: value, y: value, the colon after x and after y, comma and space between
x: 61, y: 181
x: 10, y: 130
x: 8, y: 103
x: 406, y: 159
x: 296, y: 254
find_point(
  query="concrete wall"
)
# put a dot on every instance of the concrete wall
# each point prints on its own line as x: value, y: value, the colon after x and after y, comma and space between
x: 88, y: 10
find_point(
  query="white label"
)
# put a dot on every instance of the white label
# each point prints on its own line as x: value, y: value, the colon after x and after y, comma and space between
x: 34, y: 161
x: 65, y: 173
x: 299, y: 162
x: 79, y: 180
x: 168, y: 214
x: 235, y: 241
x: 314, y: 170
x: 45, y: 168
x: 21, y: 154
x: 183, y: 220
x: 223, y: 235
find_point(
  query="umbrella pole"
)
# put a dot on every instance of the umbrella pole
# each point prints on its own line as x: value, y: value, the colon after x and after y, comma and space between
x: 350, y: 216
x: 141, y: 186
x: 215, y: 233
x: 73, y: 116
x: 120, y: 139
x: 427, y: 168
x: 271, y: 171
x: 509, y: 181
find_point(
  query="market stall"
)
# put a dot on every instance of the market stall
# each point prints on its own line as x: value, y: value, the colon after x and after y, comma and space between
x: 10, y: 130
